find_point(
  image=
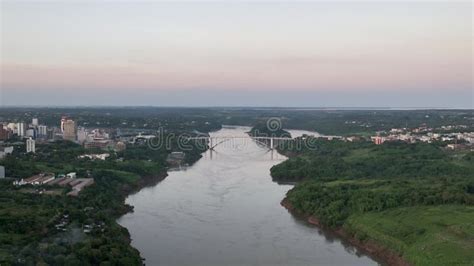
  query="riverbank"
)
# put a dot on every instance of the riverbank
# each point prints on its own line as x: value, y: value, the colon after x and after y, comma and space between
x: 378, y: 252
x: 413, y: 200
x: 126, y: 191
x: 194, y: 211
x: 143, y: 182
x: 87, y: 224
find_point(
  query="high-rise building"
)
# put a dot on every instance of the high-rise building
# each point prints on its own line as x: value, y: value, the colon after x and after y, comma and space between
x: 12, y: 127
x: 31, y: 133
x: 30, y: 145
x: 20, y: 129
x: 42, y: 131
x: 5, y: 133
x: 50, y: 133
x: 34, y: 122
x: 63, y: 120
x: 2, y: 172
x: 70, y: 129
x: 81, y: 135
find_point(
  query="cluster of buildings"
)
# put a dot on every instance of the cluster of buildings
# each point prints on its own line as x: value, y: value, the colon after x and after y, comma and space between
x: 29, y: 132
x: 36, y: 180
x: 101, y: 156
x: 77, y: 184
x: 89, y: 138
x: 422, y: 134
x: 24, y: 130
x: 95, y: 139
x: 68, y: 130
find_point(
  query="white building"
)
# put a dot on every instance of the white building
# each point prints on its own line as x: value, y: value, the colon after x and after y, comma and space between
x: 12, y: 127
x: 71, y: 175
x: 30, y: 133
x: 5, y: 150
x: 102, y: 156
x: 425, y: 139
x: 81, y: 135
x: 21, y: 129
x: 42, y: 131
x: 34, y: 121
x: 30, y: 145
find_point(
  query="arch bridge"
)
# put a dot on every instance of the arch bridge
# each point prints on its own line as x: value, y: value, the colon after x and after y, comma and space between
x: 214, y: 141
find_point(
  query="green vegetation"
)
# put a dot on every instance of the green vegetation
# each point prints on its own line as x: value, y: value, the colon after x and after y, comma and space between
x: 333, y: 202
x: 330, y: 122
x: 90, y: 236
x: 29, y: 235
x: 361, y: 122
x: 416, y: 199
x: 265, y: 130
x: 425, y: 235
x: 330, y: 160
x: 133, y: 118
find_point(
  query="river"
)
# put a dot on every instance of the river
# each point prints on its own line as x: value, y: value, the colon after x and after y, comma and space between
x: 225, y: 210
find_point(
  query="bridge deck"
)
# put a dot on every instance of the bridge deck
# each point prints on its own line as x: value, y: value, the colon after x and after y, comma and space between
x: 240, y: 137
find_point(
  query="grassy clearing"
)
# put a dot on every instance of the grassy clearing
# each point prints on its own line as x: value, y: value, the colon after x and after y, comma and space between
x: 55, y: 168
x: 365, y: 182
x: 358, y: 154
x: 424, y: 235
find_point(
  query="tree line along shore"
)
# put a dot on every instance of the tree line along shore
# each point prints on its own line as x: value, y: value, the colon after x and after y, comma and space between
x: 402, y: 203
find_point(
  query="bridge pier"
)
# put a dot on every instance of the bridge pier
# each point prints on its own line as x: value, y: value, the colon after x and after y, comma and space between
x: 215, y: 141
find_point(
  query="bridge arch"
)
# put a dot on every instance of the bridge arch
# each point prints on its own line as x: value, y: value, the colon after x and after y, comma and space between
x: 215, y: 141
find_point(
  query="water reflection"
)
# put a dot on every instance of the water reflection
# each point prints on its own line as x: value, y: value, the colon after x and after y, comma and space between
x: 225, y: 210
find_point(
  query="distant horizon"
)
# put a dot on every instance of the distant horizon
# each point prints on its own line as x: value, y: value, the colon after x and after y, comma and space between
x: 237, y: 107
x: 348, y: 54
x: 448, y: 98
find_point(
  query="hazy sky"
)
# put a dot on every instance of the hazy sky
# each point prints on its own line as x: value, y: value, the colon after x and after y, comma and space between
x: 395, y: 54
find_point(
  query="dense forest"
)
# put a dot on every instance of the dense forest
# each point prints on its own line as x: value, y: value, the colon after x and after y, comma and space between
x: 28, y: 235
x: 329, y: 160
x: 343, y: 183
x: 324, y: 121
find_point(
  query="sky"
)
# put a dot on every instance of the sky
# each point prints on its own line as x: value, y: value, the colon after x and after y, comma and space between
x: 234, y: 53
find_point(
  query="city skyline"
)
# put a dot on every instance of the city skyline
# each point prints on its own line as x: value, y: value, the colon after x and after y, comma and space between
x: 312, y: 54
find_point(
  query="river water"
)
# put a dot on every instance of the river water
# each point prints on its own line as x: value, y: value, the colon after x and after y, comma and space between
x: 225, y: 210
